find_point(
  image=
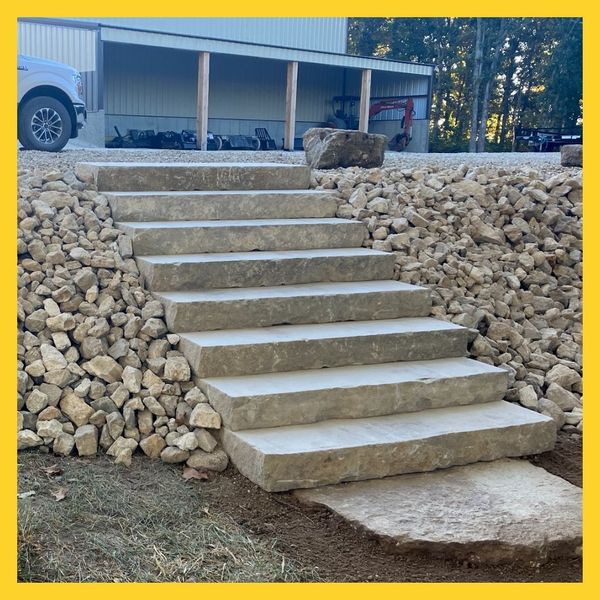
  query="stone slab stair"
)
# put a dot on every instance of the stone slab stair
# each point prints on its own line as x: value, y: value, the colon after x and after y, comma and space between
x: 323, y: 368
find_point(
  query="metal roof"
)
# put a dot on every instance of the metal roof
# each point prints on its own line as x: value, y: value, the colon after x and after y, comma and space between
x: 129, y: 35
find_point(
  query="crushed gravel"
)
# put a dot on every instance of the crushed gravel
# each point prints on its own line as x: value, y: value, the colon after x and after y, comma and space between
x: 547, y: 162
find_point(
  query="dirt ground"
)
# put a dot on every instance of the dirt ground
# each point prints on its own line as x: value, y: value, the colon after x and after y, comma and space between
x: 146, y: 523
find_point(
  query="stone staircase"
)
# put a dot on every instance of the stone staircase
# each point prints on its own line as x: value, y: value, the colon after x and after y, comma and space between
x: 322, y: 367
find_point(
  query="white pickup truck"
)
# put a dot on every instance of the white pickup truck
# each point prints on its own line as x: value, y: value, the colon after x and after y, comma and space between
x: 50, y: 106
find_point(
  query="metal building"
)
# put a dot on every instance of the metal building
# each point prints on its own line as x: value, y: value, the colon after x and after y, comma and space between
x: 229, y: 75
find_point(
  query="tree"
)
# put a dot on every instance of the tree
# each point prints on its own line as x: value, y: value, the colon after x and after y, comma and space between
x: 490, y: 74
x: 476, y: 87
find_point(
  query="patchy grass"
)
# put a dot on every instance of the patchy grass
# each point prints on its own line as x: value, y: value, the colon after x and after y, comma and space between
x: 143, y: 523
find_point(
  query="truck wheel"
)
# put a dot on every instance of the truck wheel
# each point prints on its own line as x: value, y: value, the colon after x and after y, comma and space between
x: 44, y: 124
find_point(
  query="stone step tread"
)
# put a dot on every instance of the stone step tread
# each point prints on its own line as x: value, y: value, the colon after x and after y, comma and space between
x: 241, y: 223
x: 167, y: 259
x: 344, y: 378
x: 182, y: 237
x: 319, y: 331
x: 221, y: 204
x: 333, y: 451
x: 351, y: 392
x: 501, y: 511
x: 309, y: 290
x: 202, y: 194
x: 124, y: 176
x: 191, y: 165
x: 237, y: 308
x: 314, y: 346
x: 263, y: 268
x: 388, y: 429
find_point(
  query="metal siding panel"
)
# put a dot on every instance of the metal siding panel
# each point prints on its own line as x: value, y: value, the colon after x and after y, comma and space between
x: 240, y: 49
x: 149, y: 81
x: 391, y: 84
x: 317, y: 84
x: 252, y: 88
x: 325, y: 34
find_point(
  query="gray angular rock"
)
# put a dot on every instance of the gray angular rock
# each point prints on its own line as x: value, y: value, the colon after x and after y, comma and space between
x: 177, y: 368
x: 204, y: 416
x: 78, y: 411
x: 132, y: 379
x: 49, y: 429
x: 36, y: 401
x: 552, y: 410
x: 28, y: 439
x: 86, y: 440
x: 172, y: 454
x: 213, y: 461
x: 115, y: 424
x: 104, y: 367
x: 120, y: 444
x: 64, y: 444
x: 52, y: 358
x: 571, y: 155
x: 153, y: 445
x: 187, y: 441
x: 205, y: 440
x: 562, y: 397
x: 327, y: 148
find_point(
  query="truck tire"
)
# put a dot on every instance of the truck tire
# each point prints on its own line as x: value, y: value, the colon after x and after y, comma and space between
x: 44, y: 124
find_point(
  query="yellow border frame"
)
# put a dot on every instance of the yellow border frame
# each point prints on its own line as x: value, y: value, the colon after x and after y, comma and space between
x: 149, y: 8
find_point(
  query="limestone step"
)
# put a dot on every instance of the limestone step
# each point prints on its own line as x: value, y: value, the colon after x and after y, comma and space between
x: 302, y: 456
x: 294, y: 398
x: 299, y: 347
x: 209, y: 205
x: 142, y: 176
x: 253, y: 269
x: 189, y: 237
x: 236, y: 308
x: 493, y: 512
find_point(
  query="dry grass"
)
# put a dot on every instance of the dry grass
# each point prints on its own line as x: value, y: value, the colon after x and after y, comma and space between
x: 138, y: 524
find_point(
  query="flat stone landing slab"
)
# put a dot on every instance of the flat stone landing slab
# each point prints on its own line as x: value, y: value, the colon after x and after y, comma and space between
x: 495, y: 512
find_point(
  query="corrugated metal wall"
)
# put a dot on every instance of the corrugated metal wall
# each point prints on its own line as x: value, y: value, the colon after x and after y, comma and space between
x: 74, y: 46
x: 326, y: 34
x: 155, y: 81
x: 155, y: 88
x: 141, y: 80
x: 384, y: 84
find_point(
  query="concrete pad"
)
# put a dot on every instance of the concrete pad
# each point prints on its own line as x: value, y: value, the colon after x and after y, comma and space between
x: 303, y: 456
x: 295, y: 347
x: 254, y: 269
x: 187, y: 237
x: 501, y: 511
x: 231, y: 204
x: 236, y: 308
x: 297, y: 397
x: 129, y: 176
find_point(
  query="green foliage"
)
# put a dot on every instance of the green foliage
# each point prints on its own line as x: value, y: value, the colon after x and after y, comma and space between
x: 535, y: 80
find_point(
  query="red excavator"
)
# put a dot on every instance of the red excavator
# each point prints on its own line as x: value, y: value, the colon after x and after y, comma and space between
x: 345, y: 117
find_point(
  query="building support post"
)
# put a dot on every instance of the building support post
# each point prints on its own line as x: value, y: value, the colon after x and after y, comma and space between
x: 202, y: 100
x: 290, y: 105
x: 365, y: 101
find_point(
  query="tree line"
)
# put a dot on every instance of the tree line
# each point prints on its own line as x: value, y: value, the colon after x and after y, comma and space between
x: 491, y: 74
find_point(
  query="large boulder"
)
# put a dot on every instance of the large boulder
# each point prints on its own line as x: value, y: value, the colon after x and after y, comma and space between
x: 327, y: 148
x: 571, y: 155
